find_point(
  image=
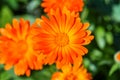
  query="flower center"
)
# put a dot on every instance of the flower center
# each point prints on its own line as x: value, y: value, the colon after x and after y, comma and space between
x: 22, y: 46
x: 61, y: 39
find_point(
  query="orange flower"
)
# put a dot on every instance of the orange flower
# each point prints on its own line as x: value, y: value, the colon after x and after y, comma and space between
x: 117, y: 57
x: 70, y: 72
x: 18, y: 47
x: 63, y: 36
x: 72, y: 5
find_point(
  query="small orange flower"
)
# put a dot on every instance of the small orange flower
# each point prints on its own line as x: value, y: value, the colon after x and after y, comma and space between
x: 72, y: 5
x: 70, y: 72
x: 63, y: 36
x: 117, y: 57
x: 18, y: 47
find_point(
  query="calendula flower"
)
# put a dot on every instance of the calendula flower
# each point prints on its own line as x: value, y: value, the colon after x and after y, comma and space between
x: 63, y: 36
x: 72, y: 5
x: 69, y: 72
x: 117, y: 57
x: 18, y: 47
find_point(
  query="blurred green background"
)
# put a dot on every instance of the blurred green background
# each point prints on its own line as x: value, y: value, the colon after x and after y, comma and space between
x: 104, y: 17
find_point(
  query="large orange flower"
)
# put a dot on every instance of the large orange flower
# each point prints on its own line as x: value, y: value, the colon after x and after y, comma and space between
x: 18, y: 47
x: 63, y: 36
x: 70, y: 72
x: 72, y: 5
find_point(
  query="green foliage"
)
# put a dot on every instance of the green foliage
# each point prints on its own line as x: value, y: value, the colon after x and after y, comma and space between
x: 5, y: 76
x: 96, y: 55
x: 6, y: 15
x: 32, y: 5
x: 116, y: 13
x: 100, y: 36
x: 109, y: 37
x: 115, y: 67
x: 13, y: 3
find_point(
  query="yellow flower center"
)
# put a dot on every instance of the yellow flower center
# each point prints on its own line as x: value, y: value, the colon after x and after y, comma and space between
x: 61, y: 39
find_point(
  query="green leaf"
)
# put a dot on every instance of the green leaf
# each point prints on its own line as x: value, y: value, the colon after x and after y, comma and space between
x: 23, y: 1
x: 104, y: 62
x: 6, y: 16
x: 15, y: 77
x: 96, y: 55
x: 86, y: 62
x: 92, y: 27
x: 13, y: 3
x: 109, y: 38
x: 33, y: 5
x: 113, y: 68
x: 5, y: 76
x: 93, y: 68
x: 19, y: 78
x: 116, y: 13
x: 1, y: 66
x: 44, y: 74
x: 99, y: 36
x: 84, y: 14
x: 107, y: 1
